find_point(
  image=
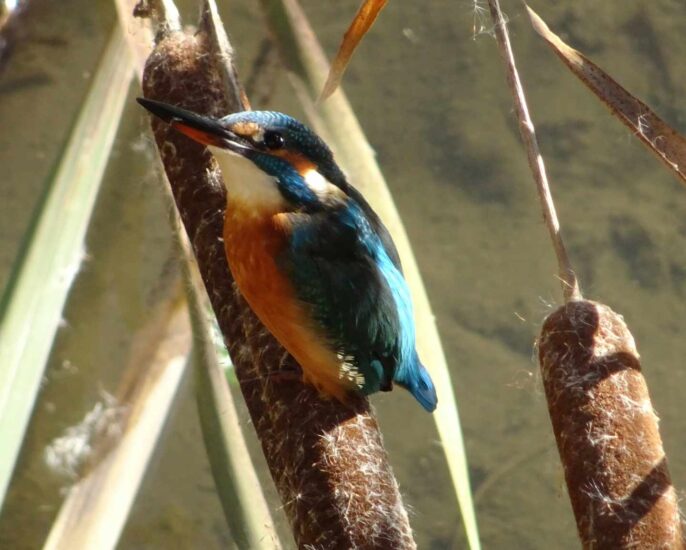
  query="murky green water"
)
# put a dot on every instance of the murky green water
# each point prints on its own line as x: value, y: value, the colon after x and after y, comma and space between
x: 432, y: 99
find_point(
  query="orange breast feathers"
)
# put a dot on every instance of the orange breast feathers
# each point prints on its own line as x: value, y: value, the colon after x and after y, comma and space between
x: 252, y: 245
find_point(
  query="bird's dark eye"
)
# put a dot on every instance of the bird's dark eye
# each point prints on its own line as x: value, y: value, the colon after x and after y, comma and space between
x: 274, y: 140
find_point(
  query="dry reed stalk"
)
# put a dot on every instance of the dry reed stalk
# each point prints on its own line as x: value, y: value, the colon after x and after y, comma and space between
x: 603, y: 420
x: 327, y: 460
x: 570, y: 284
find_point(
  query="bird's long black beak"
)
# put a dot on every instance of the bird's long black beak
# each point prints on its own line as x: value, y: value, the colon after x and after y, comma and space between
x: 203, y: 129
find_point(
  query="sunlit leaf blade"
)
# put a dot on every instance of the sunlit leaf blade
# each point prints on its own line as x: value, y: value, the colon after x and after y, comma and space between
x: 363, y: 21
x: 97, y: 506
x: 245, y: 507
x: 336, y: 121
x: 655, y: 133
x: 32, y: 307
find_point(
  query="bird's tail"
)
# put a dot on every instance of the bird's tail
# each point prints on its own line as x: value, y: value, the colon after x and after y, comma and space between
x: 423, y: 389
x: 418, y: 382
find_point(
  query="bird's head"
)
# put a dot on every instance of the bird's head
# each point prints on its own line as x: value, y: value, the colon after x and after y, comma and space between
x: 269, y: 160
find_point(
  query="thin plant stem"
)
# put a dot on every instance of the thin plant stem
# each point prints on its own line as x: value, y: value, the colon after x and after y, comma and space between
x: 568, y: 280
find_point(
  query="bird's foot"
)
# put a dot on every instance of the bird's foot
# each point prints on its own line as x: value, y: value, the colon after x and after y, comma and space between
x: 386, y: 385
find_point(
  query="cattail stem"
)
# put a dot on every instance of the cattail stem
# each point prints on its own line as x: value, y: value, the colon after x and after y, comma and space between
x: 570, y: 284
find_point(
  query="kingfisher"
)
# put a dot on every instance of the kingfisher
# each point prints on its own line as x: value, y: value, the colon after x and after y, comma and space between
x: 310, y: 256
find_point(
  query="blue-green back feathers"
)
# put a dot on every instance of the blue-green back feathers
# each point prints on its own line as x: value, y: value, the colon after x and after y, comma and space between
x: 343, y: 264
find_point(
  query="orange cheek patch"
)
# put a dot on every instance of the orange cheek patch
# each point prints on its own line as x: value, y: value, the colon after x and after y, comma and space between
x: 245, y: 129
x: 302, y: 164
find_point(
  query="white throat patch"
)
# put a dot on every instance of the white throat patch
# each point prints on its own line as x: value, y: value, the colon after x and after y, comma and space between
x: 246, y: 185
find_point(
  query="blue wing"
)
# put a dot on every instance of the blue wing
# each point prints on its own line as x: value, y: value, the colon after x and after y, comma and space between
x: 344, y: 265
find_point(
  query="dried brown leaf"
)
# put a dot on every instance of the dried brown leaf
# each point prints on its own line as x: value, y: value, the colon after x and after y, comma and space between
x: 668, y: 144
x: 364, y: 19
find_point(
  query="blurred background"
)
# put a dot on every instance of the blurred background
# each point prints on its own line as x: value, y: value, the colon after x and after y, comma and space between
x: 428, y: 87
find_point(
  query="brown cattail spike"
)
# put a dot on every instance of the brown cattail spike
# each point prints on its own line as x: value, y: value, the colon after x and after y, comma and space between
x: 606, y: 430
